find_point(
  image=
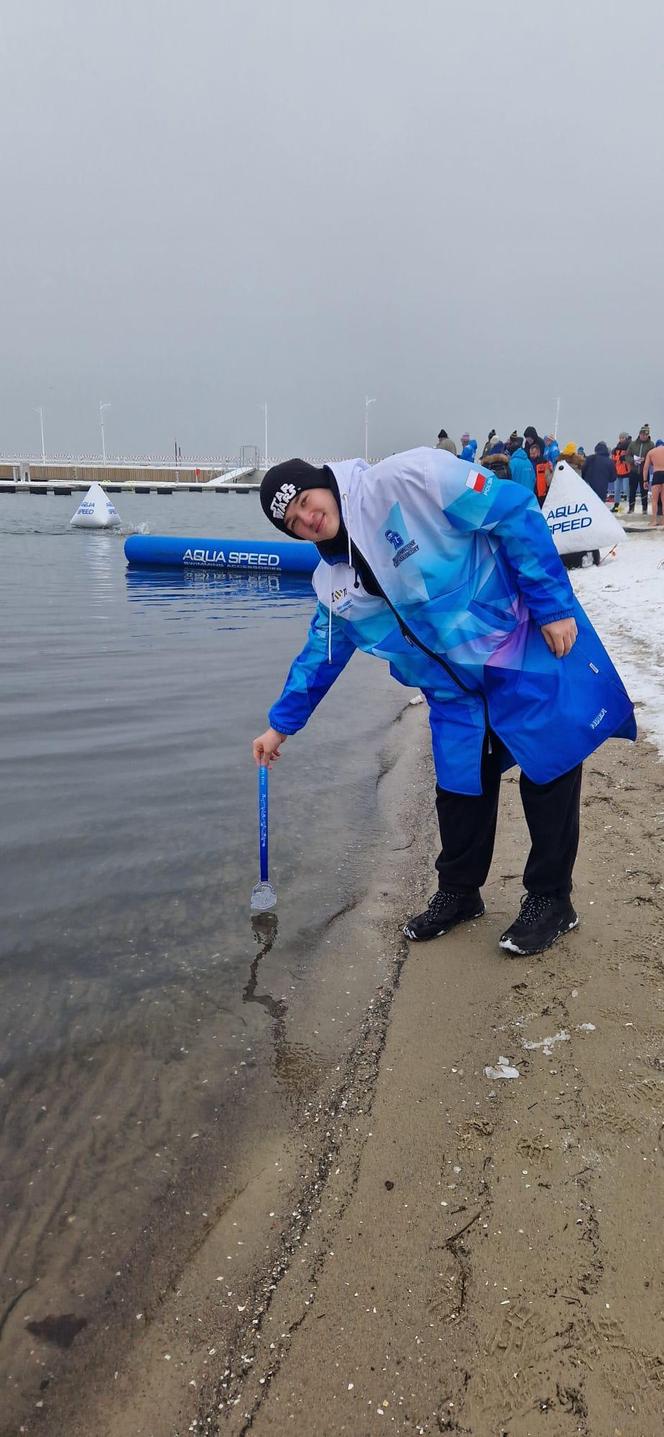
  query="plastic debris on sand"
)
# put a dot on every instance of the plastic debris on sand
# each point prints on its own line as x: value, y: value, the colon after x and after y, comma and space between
x: 503, y: 1069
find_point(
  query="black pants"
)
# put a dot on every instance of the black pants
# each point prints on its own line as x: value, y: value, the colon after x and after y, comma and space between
x: 636, y: 482
x: 468, y: 830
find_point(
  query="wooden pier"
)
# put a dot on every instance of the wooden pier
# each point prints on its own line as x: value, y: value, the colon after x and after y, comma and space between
x: 137, y: 478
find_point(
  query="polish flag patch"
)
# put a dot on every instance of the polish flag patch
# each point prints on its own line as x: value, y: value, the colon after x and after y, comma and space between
x: 476, y: 481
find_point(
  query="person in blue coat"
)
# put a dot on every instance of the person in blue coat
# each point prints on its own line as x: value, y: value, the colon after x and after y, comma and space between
x: 450, y: 575
x: 521, y: 469
x: 551, y: 449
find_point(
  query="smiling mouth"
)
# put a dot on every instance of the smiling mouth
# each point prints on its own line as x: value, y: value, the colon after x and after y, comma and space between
x: 320, y: 523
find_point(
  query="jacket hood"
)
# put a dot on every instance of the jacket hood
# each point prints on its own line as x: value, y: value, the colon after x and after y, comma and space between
x: 344, y: 474
x: 497, y: 459
x: 601, y: 448
x: 530, y: 436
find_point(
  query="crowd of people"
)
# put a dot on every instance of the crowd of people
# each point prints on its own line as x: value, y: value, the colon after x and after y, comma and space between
x: 634, y: 467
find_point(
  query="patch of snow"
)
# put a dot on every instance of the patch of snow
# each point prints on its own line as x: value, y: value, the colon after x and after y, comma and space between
x: 623, y: 598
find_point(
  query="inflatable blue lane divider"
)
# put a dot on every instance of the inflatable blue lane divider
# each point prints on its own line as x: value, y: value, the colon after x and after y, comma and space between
x: 165, y: 551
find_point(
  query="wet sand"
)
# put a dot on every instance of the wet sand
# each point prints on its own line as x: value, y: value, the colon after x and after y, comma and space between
x: 421, y: 1248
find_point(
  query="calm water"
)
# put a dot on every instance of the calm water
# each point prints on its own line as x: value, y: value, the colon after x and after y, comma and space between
x: 128, y: 856
x: 129, y: 702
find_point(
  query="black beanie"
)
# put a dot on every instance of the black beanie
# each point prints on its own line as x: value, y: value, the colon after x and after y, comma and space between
x: 283, y: 481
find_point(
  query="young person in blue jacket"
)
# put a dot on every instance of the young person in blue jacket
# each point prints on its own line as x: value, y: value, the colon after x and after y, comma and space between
x: 450, y: 575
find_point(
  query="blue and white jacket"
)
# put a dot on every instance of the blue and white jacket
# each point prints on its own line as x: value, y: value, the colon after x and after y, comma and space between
x: 469, y: 572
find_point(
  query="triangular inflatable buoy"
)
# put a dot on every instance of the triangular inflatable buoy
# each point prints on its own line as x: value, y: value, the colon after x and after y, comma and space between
x: 576, y: 516
x: 96, y: 511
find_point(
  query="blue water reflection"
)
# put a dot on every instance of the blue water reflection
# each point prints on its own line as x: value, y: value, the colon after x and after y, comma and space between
x: 152, y: 585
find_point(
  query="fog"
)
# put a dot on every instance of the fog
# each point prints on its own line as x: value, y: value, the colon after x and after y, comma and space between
x: 454, y: 209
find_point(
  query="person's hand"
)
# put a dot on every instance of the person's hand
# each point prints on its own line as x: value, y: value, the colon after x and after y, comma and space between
x: 266, y: 747
x: 560, y: 636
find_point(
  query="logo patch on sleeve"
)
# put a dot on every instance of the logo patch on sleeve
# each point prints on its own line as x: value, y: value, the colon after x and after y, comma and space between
x: 404, y: 549
x: 477, y: 481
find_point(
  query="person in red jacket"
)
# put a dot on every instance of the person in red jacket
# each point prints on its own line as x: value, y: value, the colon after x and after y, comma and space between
x: 622, y: 467
x: 543, y: 470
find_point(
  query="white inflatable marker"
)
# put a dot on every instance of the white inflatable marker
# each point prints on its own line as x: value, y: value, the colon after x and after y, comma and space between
x: 576, y: 516
x: 96, y: 511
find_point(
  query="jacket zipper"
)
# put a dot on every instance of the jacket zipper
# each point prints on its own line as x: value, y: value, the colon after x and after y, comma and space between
x: 412, y: 638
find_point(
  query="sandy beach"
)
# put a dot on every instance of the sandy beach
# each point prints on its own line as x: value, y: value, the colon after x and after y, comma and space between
x: 431, y: 1249
x: 486, y: 1258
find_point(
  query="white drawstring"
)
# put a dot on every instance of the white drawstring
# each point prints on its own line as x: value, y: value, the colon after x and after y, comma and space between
x: 344, y: 501
x: 344, y: 504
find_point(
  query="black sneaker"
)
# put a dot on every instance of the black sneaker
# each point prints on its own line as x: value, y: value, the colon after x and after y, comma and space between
x: 541, y: 921
x: 447, y: 908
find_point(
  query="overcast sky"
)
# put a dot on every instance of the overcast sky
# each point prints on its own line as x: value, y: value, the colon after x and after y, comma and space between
x: 206, y: 204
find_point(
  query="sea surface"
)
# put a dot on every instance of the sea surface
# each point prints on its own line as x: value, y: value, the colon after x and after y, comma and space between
x: 130, y: 993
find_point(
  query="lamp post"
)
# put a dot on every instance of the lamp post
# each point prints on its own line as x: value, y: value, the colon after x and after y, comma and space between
x: 103, y: 404
x: 40, y: 412
x: 265, y: 458
x: 555, y: 427
x: 367, y: 402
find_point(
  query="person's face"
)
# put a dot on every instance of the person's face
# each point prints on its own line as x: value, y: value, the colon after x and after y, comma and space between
x: 534, y: 451
x: 313, y: 514
x: 643, y: 433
